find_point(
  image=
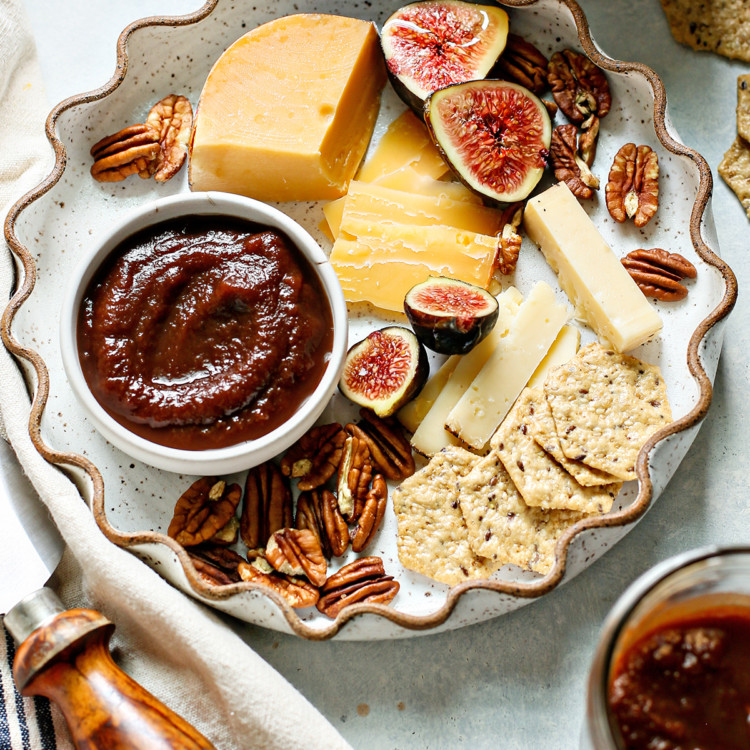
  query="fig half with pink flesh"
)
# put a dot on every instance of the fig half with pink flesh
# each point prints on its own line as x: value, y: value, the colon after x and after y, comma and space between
x: 434, y: 43
x: 494, y: 135
x: 450, y: 316
x: 385, y: 370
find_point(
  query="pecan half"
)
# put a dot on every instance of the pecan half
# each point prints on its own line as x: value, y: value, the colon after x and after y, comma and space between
x: 315, y: 457
x: 172, y: 119
x: 355, y: 474
x: 318, y: 511
x: 372, y: 514
x: 568, y: 166
x: 362, y: 581
x: 204, y: 509
x: 509, y: 245
x: 658, y: 272
x: 296, y: 591
x: 131, y: 150
x: 268, y: 504
x: 297, y: 552
x: 523, y: 63
x: 390, y: 450
x: 633, y: 188
x: 216, y: 565
x: 580, y: 88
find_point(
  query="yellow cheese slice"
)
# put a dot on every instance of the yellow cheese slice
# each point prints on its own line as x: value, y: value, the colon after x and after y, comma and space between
x: 410, y: 180
x: 592, y: 276
x: 386, y: 260
x: 564, y: 348
x: 287, y: 111
x: 493, y: 391
x: 415, y: 411
x: 431, y: 436
x: 405, y: 142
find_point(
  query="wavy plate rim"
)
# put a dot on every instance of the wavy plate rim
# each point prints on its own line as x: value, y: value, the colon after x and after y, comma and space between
x: 408, y: 621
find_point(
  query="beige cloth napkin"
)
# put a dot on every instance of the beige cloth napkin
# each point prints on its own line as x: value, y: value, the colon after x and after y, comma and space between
x: 175, y: 647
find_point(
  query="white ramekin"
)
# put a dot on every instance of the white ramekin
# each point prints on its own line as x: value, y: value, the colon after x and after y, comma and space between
x: 212, y: 461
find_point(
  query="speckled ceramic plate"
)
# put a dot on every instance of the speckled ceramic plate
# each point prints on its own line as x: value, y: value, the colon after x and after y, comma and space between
x: 133, y: 503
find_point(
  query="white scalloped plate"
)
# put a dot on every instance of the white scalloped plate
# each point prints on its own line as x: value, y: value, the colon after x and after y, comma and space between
x: 133, y: 503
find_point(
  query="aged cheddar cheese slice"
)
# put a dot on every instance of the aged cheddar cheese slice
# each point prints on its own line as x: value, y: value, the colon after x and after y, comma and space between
x: 592, y: 276
x: 431, y: 435
x: 405, y: 142
x: 492, y: 392
x: 386, y: 260
x: 564, y: 348
x: 288, y: 110
x: 415, y: 411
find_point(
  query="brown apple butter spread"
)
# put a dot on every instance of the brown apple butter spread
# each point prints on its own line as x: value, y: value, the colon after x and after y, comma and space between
x: 204, y: 332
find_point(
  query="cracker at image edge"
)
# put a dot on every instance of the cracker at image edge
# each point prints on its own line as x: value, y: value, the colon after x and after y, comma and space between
x: 721, y: 26
x: 542, y: 482
x: 743, y: 106
x: 735, y: 170
x: 502, y: 526
x: 432, y: 537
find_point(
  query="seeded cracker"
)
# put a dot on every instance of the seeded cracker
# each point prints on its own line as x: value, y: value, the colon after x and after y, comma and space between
x: 743, y: 106
x: 432, y: 536
x: 541, y: 481
x: 502, y: 526
x: 542, y: 428
x: 721, y: 26
x: 735, y: 169
x: 605, y: 406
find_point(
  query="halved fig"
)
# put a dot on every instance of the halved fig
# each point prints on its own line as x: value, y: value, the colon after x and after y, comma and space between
x: 434, y: 43
x: 494, y: 135
x: 450, y: 316
x: 385, y: 370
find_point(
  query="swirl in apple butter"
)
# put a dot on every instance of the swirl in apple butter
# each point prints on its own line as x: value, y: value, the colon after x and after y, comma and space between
x: 204, y: 332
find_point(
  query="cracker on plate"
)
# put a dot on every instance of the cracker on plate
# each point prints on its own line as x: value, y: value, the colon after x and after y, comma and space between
x: 500, y: 523
x: 743, y: 106
x: 721, y: 26
x: 433, y: 538
x: 541, y: 481
x: 735, y: 169
x: 605, y: 406
x: 543, y: 430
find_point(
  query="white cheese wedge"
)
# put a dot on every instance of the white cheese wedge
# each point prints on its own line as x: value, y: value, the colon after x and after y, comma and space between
x: 601, y: 290
x: 431, y: 435
x: 493, y: 391
x: 415, y: 411
x: 562, y: 350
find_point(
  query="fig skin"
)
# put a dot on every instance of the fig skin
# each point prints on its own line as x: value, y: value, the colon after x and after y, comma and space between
x: 426, y: 14
x: 386, y: 404
x: 449, y: 331
x: 536, y: 144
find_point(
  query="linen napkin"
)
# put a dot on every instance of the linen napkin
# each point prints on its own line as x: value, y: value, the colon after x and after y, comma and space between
x: 175, y: 647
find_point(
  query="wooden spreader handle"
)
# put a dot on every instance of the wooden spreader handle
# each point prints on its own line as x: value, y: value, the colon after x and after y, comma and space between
x: 67, y: 660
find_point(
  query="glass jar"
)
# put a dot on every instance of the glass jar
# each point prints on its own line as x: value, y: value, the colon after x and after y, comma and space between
x: 688, y: 585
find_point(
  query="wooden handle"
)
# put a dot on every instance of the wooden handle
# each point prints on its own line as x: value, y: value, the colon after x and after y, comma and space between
x: 67, y: 660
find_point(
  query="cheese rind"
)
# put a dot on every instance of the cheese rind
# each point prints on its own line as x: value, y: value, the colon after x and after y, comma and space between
x: 287, y: 111
x: 493, y: 391
x: 592, y: 276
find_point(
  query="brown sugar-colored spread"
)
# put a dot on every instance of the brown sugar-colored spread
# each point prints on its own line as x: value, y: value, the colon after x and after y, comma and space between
x: 686, y: 685
x: 204, y: 332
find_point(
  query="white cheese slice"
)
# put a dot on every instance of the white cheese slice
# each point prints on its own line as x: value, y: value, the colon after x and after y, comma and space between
x: 601, y: 290
x: 562, y: 350
x: 493, y: 391
x: 412, y: 414
x: 431, y: 436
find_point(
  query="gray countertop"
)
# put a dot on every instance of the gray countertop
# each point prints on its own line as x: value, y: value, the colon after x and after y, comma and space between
x: 517, y: 681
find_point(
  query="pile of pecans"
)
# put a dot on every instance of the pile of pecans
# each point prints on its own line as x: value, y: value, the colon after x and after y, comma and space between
x: 341, y: 472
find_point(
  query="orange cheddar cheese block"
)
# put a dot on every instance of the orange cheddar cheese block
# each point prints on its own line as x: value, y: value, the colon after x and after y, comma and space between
x: 384, y: 261
x: 287, y: 111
